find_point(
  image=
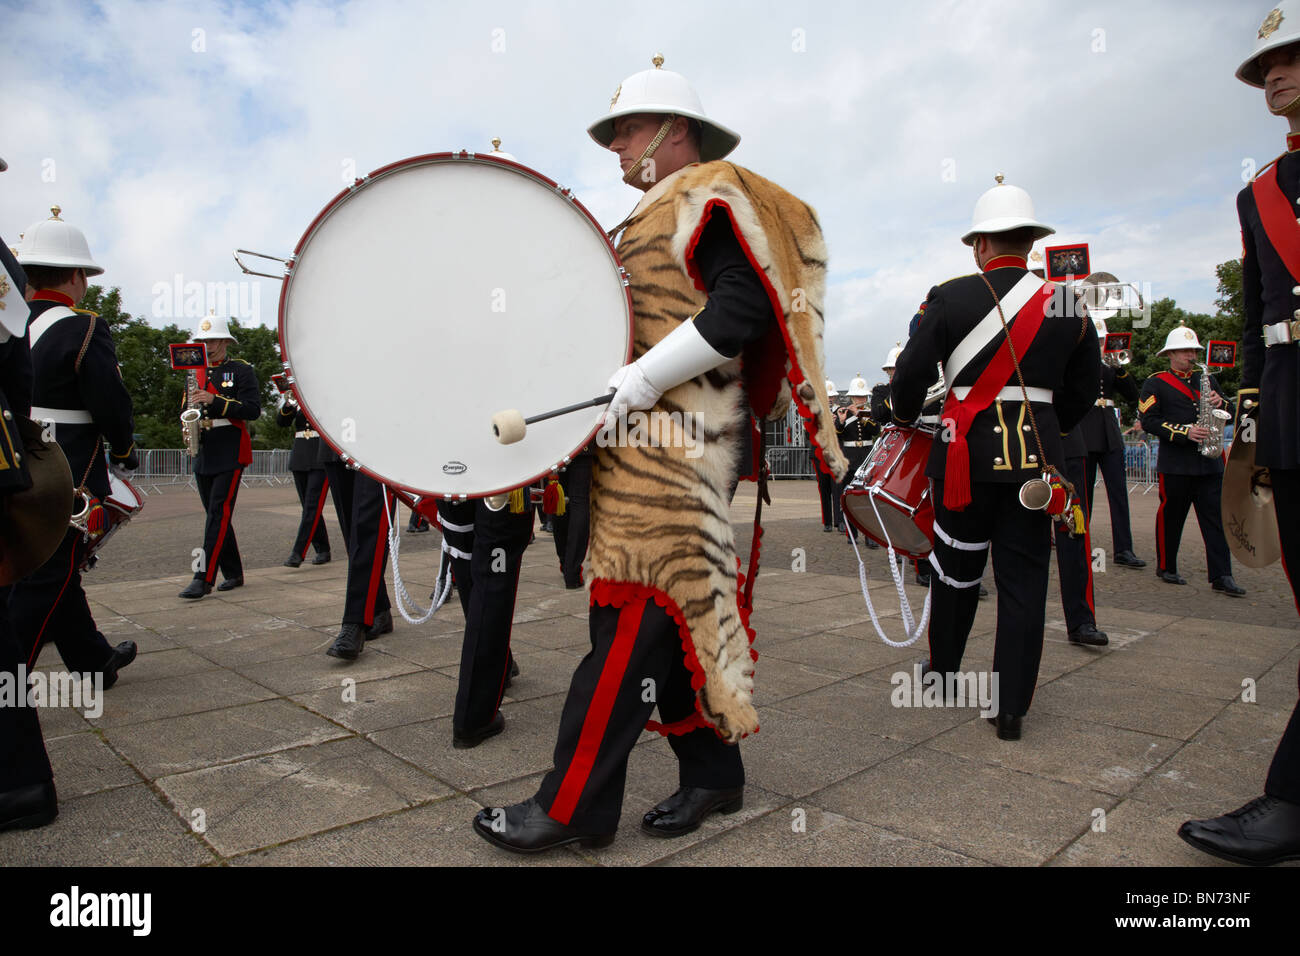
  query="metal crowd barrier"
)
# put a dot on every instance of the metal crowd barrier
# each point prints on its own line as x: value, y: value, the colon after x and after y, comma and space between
x: 162, y: 467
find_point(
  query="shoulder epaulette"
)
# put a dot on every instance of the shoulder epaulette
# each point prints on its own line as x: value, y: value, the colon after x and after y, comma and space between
x: 85, y: 312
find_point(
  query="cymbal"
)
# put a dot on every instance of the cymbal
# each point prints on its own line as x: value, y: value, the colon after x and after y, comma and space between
x: 34, y: 522
x: 1249, y: 519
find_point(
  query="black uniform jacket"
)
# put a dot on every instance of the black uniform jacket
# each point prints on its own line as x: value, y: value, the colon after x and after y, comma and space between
x: 1100, y: 428
x: 1271, y: 294
x: 882, y: 409
x: 1064, y: 356
x: 1167, y: 412
x: 855, y: 428
x: 96, y: 388
x: 239, y: 400
x: 15, y: 395
x: 306, y: 451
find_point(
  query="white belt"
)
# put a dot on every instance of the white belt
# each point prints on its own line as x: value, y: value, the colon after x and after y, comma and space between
x: 1011, y: 393
x: 1105, y: 403
x: 62, y: 416
x: 306, y: 434
x: 1281, y: 333
x: 217, y: 422
x: 855, y: 444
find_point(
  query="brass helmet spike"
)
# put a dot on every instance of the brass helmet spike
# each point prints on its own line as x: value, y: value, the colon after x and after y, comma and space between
x: 999, y: 177
x: 496, y: 143
x: 55, y: 210
x: 658, y: 61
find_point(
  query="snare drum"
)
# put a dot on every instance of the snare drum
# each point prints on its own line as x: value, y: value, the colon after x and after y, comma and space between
x: 889, y: 498
x: 437, y: 291
x: 123, y: 503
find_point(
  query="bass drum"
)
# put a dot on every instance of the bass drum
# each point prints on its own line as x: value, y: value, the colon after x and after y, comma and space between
x: 434, y: 293
x: 889, y: 498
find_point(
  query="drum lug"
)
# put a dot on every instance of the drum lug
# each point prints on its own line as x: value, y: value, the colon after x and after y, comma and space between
x: 566, y: 192
x: 358, y: 183
x: 624, y: 276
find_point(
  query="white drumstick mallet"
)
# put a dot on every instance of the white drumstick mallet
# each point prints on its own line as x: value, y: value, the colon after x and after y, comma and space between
x: 510, y: 426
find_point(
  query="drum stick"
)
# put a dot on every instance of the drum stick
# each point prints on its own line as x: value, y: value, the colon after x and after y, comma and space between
x: 509, y: 426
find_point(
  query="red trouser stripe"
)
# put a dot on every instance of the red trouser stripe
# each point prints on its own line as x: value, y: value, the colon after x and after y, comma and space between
x: 1160, y: 526
x: 1087, y: 548
x: 377, y: 564
x: 320, y: 507
x: 40, y: 635
x: 210, y: 574
x: 597, y: 719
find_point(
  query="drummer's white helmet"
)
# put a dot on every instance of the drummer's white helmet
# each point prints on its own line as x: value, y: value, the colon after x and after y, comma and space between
x: 1180, y: 337
x: 663, y: 91
x: 213, y: 327
x: 831, y: 390
x: 891, y: 360
x: 1002, y: 209
x: 1280, y: 28
x: 858, y: 388
x: 498, y: 152
x: 52, y: 242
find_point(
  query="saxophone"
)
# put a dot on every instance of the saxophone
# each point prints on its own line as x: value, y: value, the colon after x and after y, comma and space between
x: 190, y: 417
x: 1210, y: 418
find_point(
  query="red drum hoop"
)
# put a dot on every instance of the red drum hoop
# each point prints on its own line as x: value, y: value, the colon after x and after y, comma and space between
x: 437, y: 291
x: 889, y: 498
x: 124, y: 502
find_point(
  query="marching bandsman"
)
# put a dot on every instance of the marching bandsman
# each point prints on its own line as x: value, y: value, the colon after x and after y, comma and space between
x: 882, y: 409
x: 573, y: 528
x: 1105, y: 446
x: 1169, y: 409
x: 79, y: 395
x: 27, y: 795
x: 230, y: 398
x: 309, y: 478
x: 856, y: 431
x: 363, y: 506
x: 993, y: 441
x: 714, y: 252
x: 1074, y: 552
x: 1267, y: 829
x: 832, y: 519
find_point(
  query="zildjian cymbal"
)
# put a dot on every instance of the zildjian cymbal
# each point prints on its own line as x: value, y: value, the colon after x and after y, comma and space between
x: 1249, y: 519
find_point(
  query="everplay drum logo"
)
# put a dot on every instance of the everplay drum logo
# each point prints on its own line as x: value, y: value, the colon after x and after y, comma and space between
x: 957, y: 689
x: 84, y: 692
x: 654, y: 429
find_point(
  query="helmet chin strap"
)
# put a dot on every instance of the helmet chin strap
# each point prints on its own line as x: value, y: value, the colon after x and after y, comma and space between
x: 635, y: 169
x: 1288, y: 109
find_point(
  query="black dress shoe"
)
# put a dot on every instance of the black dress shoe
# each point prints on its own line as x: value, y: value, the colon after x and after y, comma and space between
x: 25, y: 808
x: 1088, y: 634
x: 122, y: 655
x: 1008, y: 726
x: 1263, y: 832
x: 826, y: 527
x: 1228, y: 586
x: 196, y: 589
x: 871, y: 545
x: 526, y: 828
x: 472, y: 738
x: 686, y: 809
x: 231, y: 583
x: 382, y: 624
x: 923, y: 580
x: 323, y: 557
x: 512, y: 673
x: 1128, y: 559
x: 348, y: 645
x: 293, y: 561
x: 1170, y: 577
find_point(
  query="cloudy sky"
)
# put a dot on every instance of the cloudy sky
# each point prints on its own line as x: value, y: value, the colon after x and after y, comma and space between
x: 173, y: 132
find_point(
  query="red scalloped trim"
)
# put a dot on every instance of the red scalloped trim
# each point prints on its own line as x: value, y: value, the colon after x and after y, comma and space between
x: 618, y: 594
x: 796, y: 374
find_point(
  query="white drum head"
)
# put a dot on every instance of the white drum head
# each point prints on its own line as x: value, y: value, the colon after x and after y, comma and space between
x: 440, y: 291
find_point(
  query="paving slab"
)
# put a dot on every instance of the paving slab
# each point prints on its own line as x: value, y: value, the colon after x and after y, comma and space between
x: 84, y: 764
x: 387, y: 702
x: 174, y: 696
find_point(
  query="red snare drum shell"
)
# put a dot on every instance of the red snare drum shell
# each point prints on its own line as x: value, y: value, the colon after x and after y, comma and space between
x: 894, y: 476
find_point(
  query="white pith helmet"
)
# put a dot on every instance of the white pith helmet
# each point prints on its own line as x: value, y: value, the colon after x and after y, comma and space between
x: 1035, y: 262
x: 663, y: 91
x: 213, y: 327
x: 1100, y: 325
x: 891, y: 360
x: 1001, y: 209
x: 1180, y: 338
x: 831, y: 390
x: 52, y: 242
x: 858, y: 388
x: 1280, y: 27
x: 498, y: 152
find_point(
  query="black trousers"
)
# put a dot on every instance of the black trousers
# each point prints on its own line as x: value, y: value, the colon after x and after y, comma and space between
x: 486, y: 551
x: 1177, y: 494
x: 1074, y: 558
x: 313, y: 488
x: 572, y: 529
x: 1284, y: 773
x: 220, y: 549
x: 829, y: 494
x: 635, y: 665
x: 1116, y: 479
x: 362, y: 506
x: 1020, y: 541
x: 23, y: 760
x: 50, y: 605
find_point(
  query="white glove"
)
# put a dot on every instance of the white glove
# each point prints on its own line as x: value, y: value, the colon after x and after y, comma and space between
x: 682, y: 355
